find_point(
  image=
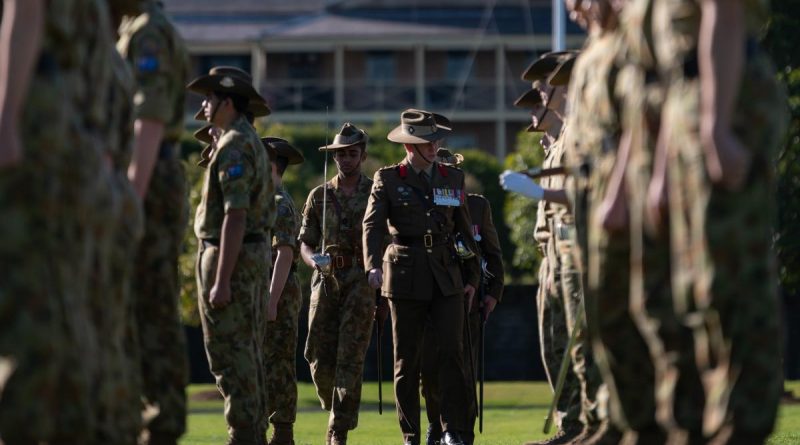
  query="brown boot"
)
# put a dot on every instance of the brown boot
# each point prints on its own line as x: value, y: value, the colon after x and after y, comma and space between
x: 282, y: 434
x: 339, y: 437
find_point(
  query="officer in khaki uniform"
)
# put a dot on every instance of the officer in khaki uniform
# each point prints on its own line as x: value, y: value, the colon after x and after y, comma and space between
x: 421, y: 204
x: 342, y: 304
x: 491, y: 257
x: 233, y: 223
x: 285, y: 301
x: 160, y: 62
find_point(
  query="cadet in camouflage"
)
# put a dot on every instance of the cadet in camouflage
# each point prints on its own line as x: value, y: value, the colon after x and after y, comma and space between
x: 47, y: 333
x: 720, y: 189
x: 232, y: 224
x: 285, y: 301
x: 158, y: 57
x: 342, y: 304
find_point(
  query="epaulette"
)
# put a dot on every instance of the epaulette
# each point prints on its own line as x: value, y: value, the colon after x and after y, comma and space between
x: 442, y: 170
x: 402, y: 170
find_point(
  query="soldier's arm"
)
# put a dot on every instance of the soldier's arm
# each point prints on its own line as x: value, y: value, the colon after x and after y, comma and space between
x: 283, y: 241
x: 374, y: 225
x: 310, y: 231
x: 490, y: 249
x: 720, y: 48
x: 149, y: 57
x: 283, y: 264
x: 233, y: 227
x: 463, y: 225
x: 20, y: 42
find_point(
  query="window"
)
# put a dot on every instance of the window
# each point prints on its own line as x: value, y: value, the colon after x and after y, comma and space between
x: 459, y: 65
x: 381, y: 66
x: 209, y: 61
x: 305, y: 66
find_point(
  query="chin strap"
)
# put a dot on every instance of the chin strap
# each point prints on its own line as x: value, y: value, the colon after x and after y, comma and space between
x: 422, y: 155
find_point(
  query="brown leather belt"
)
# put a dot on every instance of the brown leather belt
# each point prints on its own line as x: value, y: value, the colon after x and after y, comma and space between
x: 346, y: 261
x: 428, y: 240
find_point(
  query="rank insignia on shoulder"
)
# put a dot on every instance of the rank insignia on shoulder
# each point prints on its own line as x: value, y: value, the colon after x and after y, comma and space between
x: 235, y: 171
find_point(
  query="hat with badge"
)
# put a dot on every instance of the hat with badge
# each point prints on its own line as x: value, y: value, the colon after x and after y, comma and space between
x: 281, y: 147
x: 447, y: 157
x: 348, y: 136
x: 231, y: 80
x: 530, y: 99
x: 545, y: 64
x: 419, y: 127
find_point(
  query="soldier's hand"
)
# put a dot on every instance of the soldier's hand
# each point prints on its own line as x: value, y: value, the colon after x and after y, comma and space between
x: 727, y: 159
x: 612, y: 214
x: 375, y: 278
x: 469, y: 292
x: 272, y: 309
x: 11, y: 151
x: 522, y: 184
x: 220, y: 295
x: 381, y: 312
x: 488, y: 303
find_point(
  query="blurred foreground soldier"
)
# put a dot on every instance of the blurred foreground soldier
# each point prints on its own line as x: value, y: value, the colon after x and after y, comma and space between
x: 48, y: 196
x: 232, y: 223
x: 158, y: 57
x: 421, y: 204
x: 342, y: 304
x: 640, y: 95
x: 723, y: 119
x: 489, y: 293
x: 285, y: 301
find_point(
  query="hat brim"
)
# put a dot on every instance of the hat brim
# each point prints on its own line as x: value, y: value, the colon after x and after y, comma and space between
x: 259, y: 108
x: 334, y: 147
x: 200, y: 115
x: 202, y: 134
x: 562, y: 74
x: 212, y: 82
x: 292, y: 154
x: 401, y: 137
x: 530, y: 99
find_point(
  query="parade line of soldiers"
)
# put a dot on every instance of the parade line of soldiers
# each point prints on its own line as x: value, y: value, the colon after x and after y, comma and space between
x: 657, y: 304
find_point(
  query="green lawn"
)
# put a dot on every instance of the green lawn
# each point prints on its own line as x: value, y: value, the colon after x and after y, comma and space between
x: 515, y: 413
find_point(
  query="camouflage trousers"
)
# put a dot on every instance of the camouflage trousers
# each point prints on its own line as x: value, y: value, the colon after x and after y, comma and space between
x: 118, y: 399
x: 724, y: 275
x: 162, y: 342
x: 583, y: 365
x: 619, y: 349
x: 233, y: 336
x: 280, y: 354
x: 340, y: 319
x: 553, y: 339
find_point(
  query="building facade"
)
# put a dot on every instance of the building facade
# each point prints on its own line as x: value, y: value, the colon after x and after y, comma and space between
x: 364, y: 61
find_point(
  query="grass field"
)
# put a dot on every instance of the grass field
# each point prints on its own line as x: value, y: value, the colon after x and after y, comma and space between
x: 514, y: 411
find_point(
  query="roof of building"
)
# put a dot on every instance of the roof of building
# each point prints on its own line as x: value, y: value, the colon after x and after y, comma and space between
x: 206, y: 21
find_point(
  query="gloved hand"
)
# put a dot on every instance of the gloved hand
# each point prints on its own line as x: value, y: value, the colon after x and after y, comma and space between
x: 322, y: 262
x: 519, y: 183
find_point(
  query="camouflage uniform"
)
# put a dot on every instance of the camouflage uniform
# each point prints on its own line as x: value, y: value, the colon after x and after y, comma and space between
x: 342, y: 305
x: 619, y: 349
x: 554, y: 330
x: 679, y: 393
x: 47, y: 201
x: 118, y: 398
x: 723, y: 271
x: 280, y: 344
x: 151, y: 45
x: 237, y: 178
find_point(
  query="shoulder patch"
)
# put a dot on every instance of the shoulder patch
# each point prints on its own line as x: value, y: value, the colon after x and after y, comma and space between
x: 235, y: 171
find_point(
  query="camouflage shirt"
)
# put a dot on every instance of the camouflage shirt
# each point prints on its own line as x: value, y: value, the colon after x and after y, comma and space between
x: 158, y: 56
x: 287, y: 224
x: 344, y: 217
x: 238, y: 177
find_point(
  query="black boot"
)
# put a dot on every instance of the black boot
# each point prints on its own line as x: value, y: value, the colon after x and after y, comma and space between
x: 452, y: 438
x: 434, y: 434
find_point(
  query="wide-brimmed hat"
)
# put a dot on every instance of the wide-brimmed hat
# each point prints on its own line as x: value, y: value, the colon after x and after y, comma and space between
x: 281, y: 147
x: 544, y: 65
x: 231, y: 80
x: 203, y: 135
x: 348, y: 136
x: 561, y: 75
x: 529, y: 99
x: 445, y: 156
x: 418, y: 127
